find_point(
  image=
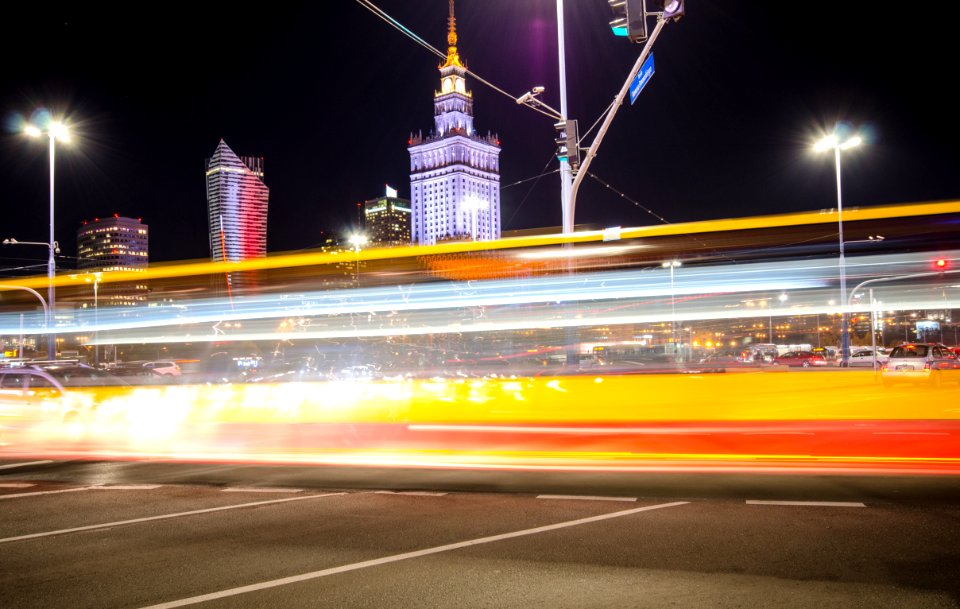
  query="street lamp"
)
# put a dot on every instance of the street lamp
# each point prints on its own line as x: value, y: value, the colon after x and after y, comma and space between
x: 474, y: 204
x: 832, y: 142
x: 672, y: 264
x: 55, y: 130
x: 782, y: 298
x: 96, y: 279
x: 357, y: 241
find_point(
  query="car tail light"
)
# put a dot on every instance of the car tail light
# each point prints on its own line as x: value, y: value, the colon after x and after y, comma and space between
x: 926, y: 365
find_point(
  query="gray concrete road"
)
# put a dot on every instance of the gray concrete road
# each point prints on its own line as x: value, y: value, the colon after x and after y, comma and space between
x: 136, y: 535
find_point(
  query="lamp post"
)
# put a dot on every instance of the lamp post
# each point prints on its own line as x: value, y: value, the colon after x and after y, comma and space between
x: 357, y: 241
x: 96, y: 279
x: 672, y: 264
x: 782, y: 298
x: 473, y: 204
x: 55, y: 130
x: 832, y: 142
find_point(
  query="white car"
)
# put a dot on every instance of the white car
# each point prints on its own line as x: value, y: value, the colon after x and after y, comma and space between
x: 865, y: 358
x: 163, y: 368
x: 930, y: 363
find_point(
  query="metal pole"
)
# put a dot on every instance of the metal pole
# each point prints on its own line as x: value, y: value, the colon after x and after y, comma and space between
x: 51, y: 268
x: 618, y: 100
x: 844, y: 330
x: 873, y: 332
x: 673, y: 311
x: 43, y: 303
x: 566, y: 177
x: 96, y: 324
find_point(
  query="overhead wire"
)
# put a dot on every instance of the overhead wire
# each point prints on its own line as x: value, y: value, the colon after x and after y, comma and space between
x: 370, y: 6
x: 543, y: 172
x: 656, y: 215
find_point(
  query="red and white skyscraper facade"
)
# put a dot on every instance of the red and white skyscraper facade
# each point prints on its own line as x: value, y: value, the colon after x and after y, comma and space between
x: 237, y: 202
x: 454, y: 173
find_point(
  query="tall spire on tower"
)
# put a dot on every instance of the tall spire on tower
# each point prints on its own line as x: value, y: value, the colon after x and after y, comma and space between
x: 453, y: 59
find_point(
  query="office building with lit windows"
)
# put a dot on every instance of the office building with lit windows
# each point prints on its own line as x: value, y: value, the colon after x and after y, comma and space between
x: 237, y: 201
x: 454, y: 173
x: 109, y: 245
x: 387, y: 219
x: 113, y: 244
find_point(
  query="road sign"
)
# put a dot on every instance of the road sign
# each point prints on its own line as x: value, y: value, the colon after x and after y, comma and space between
x: 642, y: 78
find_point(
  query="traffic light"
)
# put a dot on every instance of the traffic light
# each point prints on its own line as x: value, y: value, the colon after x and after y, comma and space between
x: 672, y: 9
x: 629, y: 19
x: 630, y: 16
x: 568, y: 142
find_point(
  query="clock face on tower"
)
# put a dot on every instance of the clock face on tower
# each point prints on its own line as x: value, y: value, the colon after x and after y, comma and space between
x: 447, y: 85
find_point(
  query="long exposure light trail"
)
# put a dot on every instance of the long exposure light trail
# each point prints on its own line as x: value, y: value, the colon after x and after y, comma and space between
x: 424, y: 306
x: 513, y: 355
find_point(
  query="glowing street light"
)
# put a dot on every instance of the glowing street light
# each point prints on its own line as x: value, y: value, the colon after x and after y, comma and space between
x: 832, y: 142
x: 55, y: 130
x: 672, y: 264
x: 357, y: 240
x: 474, y: 204
x: 95, y: 279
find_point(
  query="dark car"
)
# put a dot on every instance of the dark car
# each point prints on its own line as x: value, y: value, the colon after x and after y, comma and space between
x: 76, y: 374
x: 804, y: 359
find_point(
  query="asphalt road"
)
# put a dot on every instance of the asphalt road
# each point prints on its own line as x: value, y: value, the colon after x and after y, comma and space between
x: 111, y: 535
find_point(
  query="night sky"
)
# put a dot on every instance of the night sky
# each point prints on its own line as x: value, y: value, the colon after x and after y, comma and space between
x: 328, y: 94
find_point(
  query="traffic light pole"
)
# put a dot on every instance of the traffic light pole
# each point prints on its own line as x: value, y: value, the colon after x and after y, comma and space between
x: 592, y: 152
x: 566, y: 177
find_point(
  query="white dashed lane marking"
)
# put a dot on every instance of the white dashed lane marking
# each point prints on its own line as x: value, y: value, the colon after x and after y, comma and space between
x: 253, y: 489
x: 107, y: 525
x: 808, y: 503
x: 411, y: 493
x: 28, y: 463
x: 34, y: 494
x: 586, y: 498
x: 126, y: 487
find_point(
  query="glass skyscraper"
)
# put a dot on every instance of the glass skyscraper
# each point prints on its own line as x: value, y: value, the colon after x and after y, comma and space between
x: 237, y: 202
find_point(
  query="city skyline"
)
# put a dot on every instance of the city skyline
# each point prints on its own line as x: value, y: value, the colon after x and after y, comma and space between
x: 739, y: 93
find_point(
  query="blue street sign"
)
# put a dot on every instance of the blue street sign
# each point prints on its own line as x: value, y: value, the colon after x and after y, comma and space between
x: 642, y: 78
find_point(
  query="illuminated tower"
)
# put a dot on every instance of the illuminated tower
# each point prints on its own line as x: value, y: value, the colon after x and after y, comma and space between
x: 237, y: 206
x: 454, y: 173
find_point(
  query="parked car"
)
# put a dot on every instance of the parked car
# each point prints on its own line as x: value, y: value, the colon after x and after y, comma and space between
x: 805, y: 359
x: 74, y: 374
x: 31, y: 396
x: 865, y: 358
x: 165, y: 368
x: 930, y: 363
